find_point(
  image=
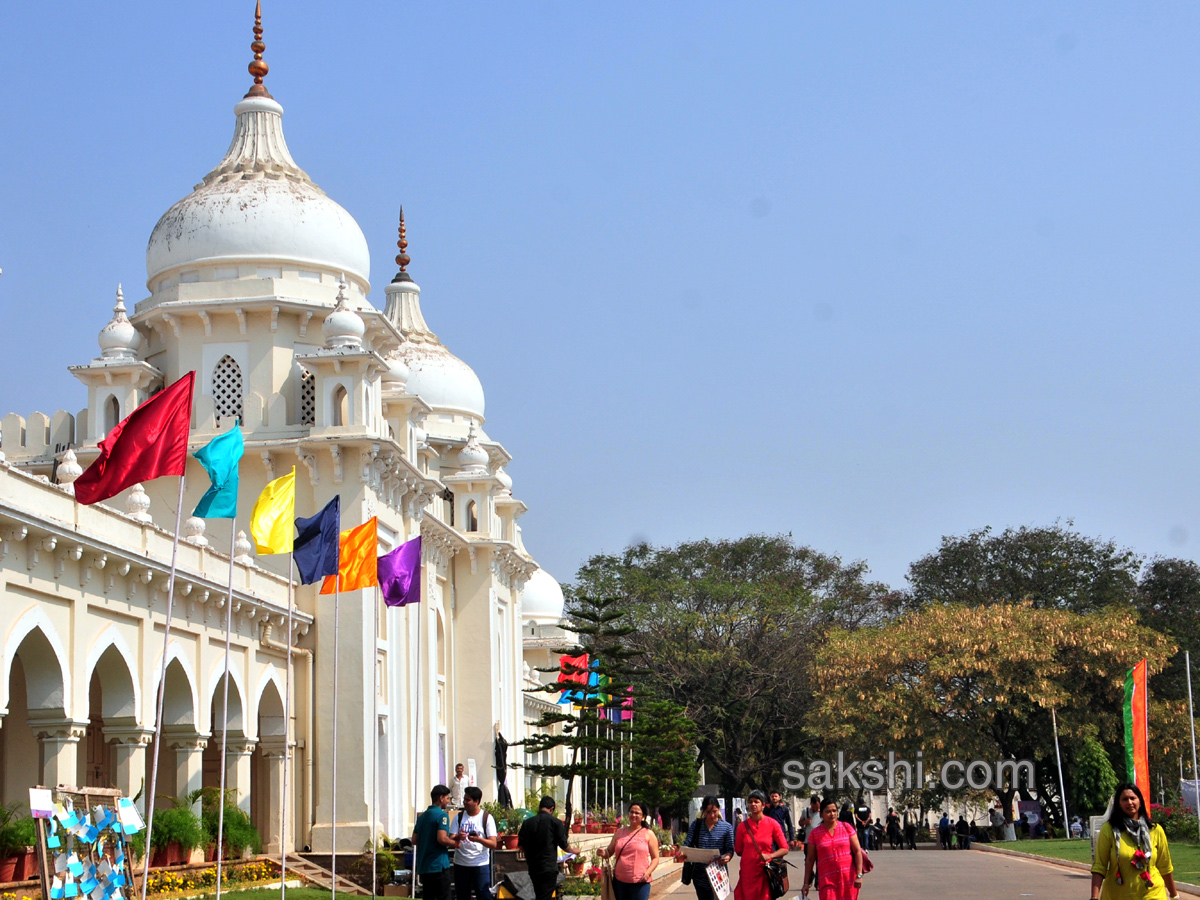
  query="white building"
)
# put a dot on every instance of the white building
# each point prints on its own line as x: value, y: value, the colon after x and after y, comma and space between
x: 259, y: 282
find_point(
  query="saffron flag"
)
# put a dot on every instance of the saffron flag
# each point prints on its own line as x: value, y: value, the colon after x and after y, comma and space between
x: 220, y: 458
x: 400, y: 574
x: 316, y: 548
x: 1137, y: 761
x: 272, y: 521
x: 149, y: 443
x: 358, y: 555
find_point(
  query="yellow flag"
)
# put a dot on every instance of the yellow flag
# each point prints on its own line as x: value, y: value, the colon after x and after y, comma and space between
x: 273, y: 519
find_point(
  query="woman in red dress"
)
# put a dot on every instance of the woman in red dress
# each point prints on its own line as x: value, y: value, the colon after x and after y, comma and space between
x: 758, y: 840
x: 833, y: 847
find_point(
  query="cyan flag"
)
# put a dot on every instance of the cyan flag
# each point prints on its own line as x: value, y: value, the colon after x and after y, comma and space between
x: 220, y: 458
x: 316, y: 547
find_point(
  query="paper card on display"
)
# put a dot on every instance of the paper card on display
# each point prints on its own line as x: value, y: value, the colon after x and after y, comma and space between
x: 60, y: 863
x: 105, y: 869
x: 53, y: 842
x: 718, y: 877
x: 472, y: 779
x: 74, y: 866
x: 131, y: 819
x: 71, y: 890
x: 98, y: 893
x: 56, y: 888
x: 41, y: 804
x: 88, y: 885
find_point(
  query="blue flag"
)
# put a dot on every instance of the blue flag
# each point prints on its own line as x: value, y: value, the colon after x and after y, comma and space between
x: 220, y: 458
x: 316, y: 547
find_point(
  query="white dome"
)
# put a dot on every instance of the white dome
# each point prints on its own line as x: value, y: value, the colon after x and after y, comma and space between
x: 343, y: 328
x: 542, y: 599
x: 397, y: 371
x: 441, y: 379
x: 119, y: 339
x: 258, y: 205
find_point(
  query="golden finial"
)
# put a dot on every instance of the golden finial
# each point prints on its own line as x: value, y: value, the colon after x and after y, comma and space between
x: 402, y: 258
x: 258, y: 68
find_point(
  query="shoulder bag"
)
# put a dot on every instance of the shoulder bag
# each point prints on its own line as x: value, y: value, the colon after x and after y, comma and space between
x: 685, y: 877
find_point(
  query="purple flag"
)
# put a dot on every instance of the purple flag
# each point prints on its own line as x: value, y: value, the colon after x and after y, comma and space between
x: 400, y: 574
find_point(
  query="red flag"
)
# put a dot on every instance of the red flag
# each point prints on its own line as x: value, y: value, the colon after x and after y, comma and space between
x: 152, y: 441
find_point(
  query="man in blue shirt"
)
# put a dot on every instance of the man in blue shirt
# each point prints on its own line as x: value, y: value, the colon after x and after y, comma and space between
x: 433, y: 840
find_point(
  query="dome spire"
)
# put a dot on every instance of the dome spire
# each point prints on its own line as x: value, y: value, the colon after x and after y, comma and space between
x: 402, y: 258
x: 257, y: 67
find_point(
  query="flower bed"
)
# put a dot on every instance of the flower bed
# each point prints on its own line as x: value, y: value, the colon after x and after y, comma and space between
x: 181, y: 882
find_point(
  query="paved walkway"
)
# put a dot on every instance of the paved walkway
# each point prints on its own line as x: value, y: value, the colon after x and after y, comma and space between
x: 949, y: 874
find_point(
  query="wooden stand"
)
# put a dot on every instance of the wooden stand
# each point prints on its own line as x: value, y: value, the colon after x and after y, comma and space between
x: 81, y: 799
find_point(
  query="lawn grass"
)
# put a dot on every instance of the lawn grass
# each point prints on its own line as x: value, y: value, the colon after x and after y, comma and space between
x: 1185, y: 857
x: 304, y: 893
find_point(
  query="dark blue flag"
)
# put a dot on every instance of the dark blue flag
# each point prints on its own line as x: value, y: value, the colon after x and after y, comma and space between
x: 316, y: 546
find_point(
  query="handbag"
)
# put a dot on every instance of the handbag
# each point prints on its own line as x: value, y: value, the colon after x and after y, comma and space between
x: 607, y: 891
x: 685, y: 876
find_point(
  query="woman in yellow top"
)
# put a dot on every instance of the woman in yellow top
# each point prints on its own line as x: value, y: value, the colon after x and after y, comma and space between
x: 1132, y: 859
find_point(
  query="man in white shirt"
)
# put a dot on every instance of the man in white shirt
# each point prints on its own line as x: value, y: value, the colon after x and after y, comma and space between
x: 457, y: 785
x: 477, y: 839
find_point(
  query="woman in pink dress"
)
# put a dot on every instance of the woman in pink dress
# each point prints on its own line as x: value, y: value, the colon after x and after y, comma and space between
x: 833, y: 847
x: 758, y: 840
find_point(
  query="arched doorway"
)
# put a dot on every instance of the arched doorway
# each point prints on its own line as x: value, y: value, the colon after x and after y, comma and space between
x: 35, y: 692
x: 111, y: 713
x: 266, y: 778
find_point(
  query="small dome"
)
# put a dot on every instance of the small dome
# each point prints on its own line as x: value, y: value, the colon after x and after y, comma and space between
x: 119, y: 339
x: 343, y: 328
x: 441, y: 379
x: 506, y: 481
x: 258, y: 205
x: 397, y: 372
x: 542, y: 599
x: 473, y: 459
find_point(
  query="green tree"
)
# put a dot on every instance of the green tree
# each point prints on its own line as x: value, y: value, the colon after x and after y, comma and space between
x: 1091, y: 781
x: 595, y: 743
x: 1052, y: 568
x: 1168, y: 598
x: 728, y: 630
x: 663, y: 772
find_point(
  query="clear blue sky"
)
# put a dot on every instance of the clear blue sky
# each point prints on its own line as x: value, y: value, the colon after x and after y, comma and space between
x: 868, y: 274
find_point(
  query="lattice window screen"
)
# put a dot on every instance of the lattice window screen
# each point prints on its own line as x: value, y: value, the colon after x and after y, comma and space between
x: 308, y: 397
x: 227, y: 388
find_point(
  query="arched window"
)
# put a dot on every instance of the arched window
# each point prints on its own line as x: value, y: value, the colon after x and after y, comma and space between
x: 341, y: 406
x: 112, y: 414
x: 308, y: 397
x: 227, y: 388
x: 472, y: 516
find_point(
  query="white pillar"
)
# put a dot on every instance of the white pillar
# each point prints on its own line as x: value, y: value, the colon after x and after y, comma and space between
x: 60, y: 750
x: 189, y: 765
x: 129, y: 751
x: 273, y: 753
x: 237, y: 771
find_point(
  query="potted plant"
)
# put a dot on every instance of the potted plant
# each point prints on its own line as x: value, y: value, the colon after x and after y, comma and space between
x: 9, y: 842
x: 595, y: 820
x: 512, y: 824
x: 577, y: 825
x: 177, y: 832
x: 25, y: 830
x: 610, y: 820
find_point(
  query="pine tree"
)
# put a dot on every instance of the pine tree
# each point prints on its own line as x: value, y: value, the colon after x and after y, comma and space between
x: 593, y: 739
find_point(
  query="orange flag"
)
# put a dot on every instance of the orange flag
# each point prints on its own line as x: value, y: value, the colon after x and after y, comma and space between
x: 358, y: 566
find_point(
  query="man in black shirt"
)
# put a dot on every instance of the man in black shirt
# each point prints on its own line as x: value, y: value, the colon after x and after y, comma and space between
x: 779, y: 811
x: 540, y: 838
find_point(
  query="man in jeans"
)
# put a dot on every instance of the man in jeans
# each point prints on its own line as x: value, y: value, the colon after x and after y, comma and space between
x: 476, y: 832
x: 433, y: 841
x: 540, y: 838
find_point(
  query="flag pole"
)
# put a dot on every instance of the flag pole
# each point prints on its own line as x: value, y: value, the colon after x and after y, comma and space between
x: 1061, y: 786
x: 337, y: 602
x: 225, y: 704
x: 1187, y: 658
x: 162, y: 689
x: 287, y: 727
x: 417, y: 750
x: 375, y: 745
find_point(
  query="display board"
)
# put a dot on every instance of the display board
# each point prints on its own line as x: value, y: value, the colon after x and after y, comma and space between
x: 84, y: 842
